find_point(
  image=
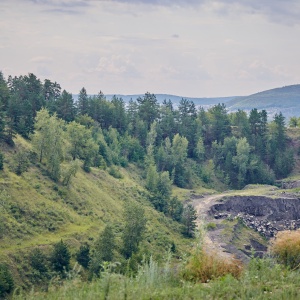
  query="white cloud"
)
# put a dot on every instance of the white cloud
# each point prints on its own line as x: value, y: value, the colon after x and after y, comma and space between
x: 117, y: 65
x: 41, y: 59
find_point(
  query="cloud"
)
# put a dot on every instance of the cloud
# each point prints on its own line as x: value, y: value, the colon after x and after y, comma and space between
x: 62, y: 3
x: 175, y: 36
x: 259, y: 70
x: 69, y: 7
x: 41, y: 59
x: 116, y: 65
x: 182, y: 72
x: 287, y: 11
x: 43, y: 71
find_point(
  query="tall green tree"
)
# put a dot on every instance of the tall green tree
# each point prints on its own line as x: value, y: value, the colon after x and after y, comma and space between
x: 241, y: 160
x: 47, y: 141
x: 219, y: 123
x: 148, y: 108
x: 65, y: 107
x: 179, y: 157
x: 4, y: 92
x: 26, y: 99
x: 134, y: 228
x: 188, y: 126
x: 83, y: 102
x: 189, y: 217
x: 51, y: 94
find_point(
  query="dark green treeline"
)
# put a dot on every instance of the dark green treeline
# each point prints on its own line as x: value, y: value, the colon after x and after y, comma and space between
x: 175, y: 144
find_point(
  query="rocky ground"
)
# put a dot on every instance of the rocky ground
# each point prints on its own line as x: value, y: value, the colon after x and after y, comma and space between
x: 242, y: 225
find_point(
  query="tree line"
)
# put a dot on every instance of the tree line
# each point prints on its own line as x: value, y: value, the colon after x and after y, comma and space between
x: 174, y: 145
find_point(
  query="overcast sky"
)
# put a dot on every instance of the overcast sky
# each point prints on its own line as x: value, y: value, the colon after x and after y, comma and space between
x: 192, y: 48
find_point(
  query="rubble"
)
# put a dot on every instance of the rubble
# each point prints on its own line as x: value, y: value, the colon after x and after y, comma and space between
x: 262, y: 214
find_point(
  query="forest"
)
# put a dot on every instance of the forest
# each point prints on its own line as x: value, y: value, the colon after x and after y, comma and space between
x: 173, y: 142
x: 179, y: 146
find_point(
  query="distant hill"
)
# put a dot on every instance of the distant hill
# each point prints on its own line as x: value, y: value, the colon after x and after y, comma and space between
x: 285, y: 99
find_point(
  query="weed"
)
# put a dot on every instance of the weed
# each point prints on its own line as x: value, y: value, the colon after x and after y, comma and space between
x: 286, y: 248
x: 203, y: 267
x: 211, y: 226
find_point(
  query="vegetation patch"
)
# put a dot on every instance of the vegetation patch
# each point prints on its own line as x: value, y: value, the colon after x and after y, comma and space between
x: 286, y: 248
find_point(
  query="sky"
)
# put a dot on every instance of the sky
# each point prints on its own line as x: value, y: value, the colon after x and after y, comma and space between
x: 192, y: 48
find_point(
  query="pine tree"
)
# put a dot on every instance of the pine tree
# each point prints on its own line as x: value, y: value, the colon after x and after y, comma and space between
x: 60, y: 257
x: 83, y: 255
x: 189, y: 217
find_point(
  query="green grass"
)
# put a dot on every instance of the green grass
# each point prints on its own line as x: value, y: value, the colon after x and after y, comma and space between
x: 37, y: 212
x: 238, y: 235
x: 262, y: 279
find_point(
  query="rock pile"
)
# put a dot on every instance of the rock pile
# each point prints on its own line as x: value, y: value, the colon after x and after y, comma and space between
x: 265, y: 215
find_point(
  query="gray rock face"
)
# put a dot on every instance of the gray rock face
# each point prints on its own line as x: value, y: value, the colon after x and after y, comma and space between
x: 265, y: 215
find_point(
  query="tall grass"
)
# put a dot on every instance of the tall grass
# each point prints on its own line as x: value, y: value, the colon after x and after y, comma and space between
x: 286, y: 248
x: 261, y: 279
x: 203, y: 267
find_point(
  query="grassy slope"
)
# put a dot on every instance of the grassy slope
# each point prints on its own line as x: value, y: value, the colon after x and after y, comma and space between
x: 35, y: 211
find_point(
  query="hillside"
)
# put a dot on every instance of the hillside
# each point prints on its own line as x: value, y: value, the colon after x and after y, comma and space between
x: 285, y: 99
x: 105, y: 185
x: 38, y: 212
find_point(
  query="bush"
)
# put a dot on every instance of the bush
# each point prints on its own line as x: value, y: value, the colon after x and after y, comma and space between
x: 1, y: 160
x: 60, y: 257
x: 83, y: 255
x: 114, y: 172
x: 20, y: 162
x: 39, y: 263
x: 6, y: 280
x: 203, y: 267
x: 211, y: 226
x: 286, y: 248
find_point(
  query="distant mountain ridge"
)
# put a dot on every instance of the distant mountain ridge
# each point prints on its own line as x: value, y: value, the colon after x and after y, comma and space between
x: 285, y: 99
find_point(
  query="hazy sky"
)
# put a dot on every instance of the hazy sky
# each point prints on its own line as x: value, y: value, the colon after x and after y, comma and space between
x: 189, y: 48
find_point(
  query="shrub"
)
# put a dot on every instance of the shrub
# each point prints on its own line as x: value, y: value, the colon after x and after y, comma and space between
x: 60, y: 257
x: 83, y: 255
x: 20, y: 162
x: 203, y: 267
x: 6, y: 280
x: 286, y: 248
x: 1, y: 160
x: 211, y: 226
x: 114, y: 172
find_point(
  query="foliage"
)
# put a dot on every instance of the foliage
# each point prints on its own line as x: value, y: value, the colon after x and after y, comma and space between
x: 1, y: 161
x: 6, y: 280
x: 70, y: 171
x: 83, y: 255
x: 114, y: 172
x: 260, y: 279
x: 286, y: 248
x: 40, y: 265
x: 203, y: 267
x: 20, y: 161
x: 104, y: 250
x: 134, y: 228
x: 48, y: 141
x: 60, y: 257
x: 189, y: 216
